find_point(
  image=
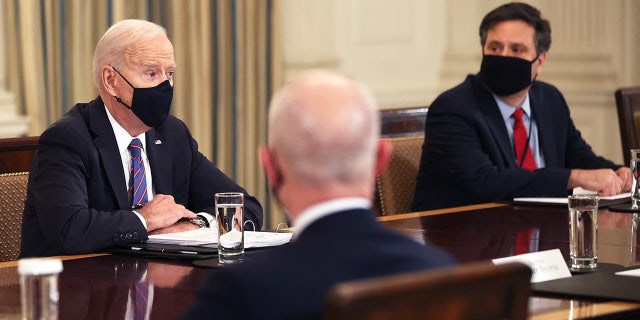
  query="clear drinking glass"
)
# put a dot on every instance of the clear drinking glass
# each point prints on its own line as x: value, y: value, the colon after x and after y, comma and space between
x: 229, y: 216
x: 39, y: 288
x: 635, y: 175
x: 583, y: 232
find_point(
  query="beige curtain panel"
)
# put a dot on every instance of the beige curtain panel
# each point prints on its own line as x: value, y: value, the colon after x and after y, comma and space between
x: 225, y: 75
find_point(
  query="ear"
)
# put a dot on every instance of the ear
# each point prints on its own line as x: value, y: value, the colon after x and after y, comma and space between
x: 541, y: 60
x: 270, y: 167
x: 383, y: 155
x: 108, y: 77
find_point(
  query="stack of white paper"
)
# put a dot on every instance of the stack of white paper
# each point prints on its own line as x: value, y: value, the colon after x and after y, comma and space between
x: 561, y: 200
x: 632, y: 273
x: 208, y: 237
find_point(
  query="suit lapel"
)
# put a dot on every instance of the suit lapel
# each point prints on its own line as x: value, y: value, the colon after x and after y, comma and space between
x: 546, y: 135
x: 493, y: 119
x: 105, y: 142
x: 160, y: 161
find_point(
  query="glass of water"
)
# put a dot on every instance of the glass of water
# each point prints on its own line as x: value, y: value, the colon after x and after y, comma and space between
x: 583, y: 232
x: 229, y: 217
x: 39, y: 287
x: 635, y: 175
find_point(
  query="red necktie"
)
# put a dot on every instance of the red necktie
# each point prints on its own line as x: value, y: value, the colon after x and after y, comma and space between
x: 520, y: 142
x: 522, y: 242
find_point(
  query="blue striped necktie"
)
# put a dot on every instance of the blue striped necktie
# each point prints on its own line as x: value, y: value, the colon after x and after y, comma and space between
x: 137, y: 175
x: 140, y: 298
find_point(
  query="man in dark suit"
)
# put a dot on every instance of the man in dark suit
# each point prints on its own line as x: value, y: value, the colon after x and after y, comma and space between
x: 85, y: 193
x: 321, y: 161
x: 479, y: 149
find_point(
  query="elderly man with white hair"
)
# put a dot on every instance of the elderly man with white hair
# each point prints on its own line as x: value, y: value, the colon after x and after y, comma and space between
x: 321, y: 161
x: 117, y: 168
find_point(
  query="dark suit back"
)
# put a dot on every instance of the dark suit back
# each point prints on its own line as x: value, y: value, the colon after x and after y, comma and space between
x: 291, y: 282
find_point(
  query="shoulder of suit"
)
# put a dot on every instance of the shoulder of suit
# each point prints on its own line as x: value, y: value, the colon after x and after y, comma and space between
x: 456, y: 96
x: 543, y: 87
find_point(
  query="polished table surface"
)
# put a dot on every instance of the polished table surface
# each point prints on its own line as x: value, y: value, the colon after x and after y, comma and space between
x: 97, y: 286
x: 488, y: 231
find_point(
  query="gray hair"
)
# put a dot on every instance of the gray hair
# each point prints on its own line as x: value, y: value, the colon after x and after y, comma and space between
x: 325, y: 127
x: 110, y: 50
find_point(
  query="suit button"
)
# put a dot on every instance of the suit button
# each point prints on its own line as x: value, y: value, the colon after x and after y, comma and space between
x: 135, y: 236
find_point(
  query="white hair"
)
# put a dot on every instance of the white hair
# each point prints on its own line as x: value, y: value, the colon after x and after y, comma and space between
x: 124, y: 34
x: 325, y: 127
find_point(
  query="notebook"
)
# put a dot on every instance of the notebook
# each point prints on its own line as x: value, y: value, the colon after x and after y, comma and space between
x: 562, y: 201
x: 196, y: 244
x: 161, y: 250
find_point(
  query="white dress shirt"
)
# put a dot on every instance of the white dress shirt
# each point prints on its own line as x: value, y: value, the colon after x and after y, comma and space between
x: 123, y: 139
x: 529, y: 124
x: 325, y: 208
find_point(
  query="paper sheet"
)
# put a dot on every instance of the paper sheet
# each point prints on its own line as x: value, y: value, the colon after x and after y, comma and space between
x: 545, y: 265
x: 563, y: 200
x: 632, y: 273
x: 208, y: 237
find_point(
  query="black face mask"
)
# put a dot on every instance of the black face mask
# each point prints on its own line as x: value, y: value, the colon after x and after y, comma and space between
x: 150, y: 105
x: 505, y: 76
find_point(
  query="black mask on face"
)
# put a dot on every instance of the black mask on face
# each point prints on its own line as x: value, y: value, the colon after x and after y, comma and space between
x: 150, y: 105
x: 505, y: 75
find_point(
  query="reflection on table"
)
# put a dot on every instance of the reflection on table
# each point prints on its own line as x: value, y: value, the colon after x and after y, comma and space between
x: 100, y: 286
x: 488, y: 231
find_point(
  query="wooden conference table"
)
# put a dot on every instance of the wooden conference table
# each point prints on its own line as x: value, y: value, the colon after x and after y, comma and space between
x: 97, y: 286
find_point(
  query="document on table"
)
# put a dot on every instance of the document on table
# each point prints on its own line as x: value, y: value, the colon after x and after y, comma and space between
x: 604, y: 201
x: 545, y: 265
x: 208, y: 237
x: 632, y: 273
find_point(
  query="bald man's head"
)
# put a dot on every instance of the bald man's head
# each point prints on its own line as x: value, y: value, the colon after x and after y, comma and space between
x: 325, y: 128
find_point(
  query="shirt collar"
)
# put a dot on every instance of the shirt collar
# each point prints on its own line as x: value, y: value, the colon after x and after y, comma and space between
x: 507, y: 110
x: 325, y: 208
x: 122, y: 136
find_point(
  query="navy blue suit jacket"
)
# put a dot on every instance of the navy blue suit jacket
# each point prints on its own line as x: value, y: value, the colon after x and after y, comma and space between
x: 292, y: 281
x: 77, y: 200
x: 468, y: 158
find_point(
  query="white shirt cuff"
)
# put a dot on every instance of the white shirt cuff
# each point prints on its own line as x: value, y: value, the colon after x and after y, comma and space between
x: 144, y: 223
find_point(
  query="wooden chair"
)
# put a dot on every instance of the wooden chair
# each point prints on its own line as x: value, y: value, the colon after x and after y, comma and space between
x: 13, y: 187
x: 16, y: 155
x: 628, y: 105
x: 473, y: 291
x: 397, y: 184
x: 403, y: 122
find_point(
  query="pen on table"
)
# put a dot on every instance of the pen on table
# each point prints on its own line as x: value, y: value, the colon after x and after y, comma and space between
x: 162, y: 250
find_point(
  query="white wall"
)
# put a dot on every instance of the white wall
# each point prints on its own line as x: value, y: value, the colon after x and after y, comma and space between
x: 408, y: 51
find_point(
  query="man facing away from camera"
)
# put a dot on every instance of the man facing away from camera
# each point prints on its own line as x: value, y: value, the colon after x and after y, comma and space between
x: 322, y: 158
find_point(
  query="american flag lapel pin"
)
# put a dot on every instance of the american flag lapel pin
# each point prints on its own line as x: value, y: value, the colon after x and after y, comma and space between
x: 158, y: 141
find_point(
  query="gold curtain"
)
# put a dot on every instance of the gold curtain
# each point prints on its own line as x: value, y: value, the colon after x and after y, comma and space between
x: 225, y: 69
